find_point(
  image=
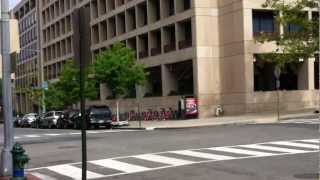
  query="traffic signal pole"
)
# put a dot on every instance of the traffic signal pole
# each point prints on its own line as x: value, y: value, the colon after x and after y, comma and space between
x: 6, y: 156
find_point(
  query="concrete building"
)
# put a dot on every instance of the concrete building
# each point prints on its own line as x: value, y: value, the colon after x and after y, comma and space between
x: 200, y: 48
x: 28, y: 64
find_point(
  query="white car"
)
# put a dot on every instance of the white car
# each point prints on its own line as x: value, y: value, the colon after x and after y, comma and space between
x: 50, y: 119
x: 28, y: 119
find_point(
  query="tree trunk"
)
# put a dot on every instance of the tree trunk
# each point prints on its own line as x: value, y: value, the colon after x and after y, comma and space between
x: 118, y: 114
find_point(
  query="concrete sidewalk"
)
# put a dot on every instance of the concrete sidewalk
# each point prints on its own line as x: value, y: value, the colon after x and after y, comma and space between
x: 215, y: 121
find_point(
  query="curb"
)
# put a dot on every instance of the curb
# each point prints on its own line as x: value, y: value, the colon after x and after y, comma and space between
x: 28, y: 176
x: 191, y: 127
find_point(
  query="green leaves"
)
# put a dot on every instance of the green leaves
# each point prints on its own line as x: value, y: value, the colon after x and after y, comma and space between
x: 117, y: 67
x: 302, y: 42
x: 65, y: 92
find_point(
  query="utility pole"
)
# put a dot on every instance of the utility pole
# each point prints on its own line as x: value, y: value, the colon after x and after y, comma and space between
x: 6, y: 157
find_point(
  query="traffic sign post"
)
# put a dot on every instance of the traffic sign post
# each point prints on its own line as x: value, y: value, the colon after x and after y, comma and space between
x: 81, y: 47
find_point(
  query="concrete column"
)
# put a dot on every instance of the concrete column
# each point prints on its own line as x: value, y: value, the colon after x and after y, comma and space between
x: 169, y: 81
x: 306, y: 75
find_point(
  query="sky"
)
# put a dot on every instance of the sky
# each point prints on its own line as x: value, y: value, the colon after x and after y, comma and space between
x: 13, y: 3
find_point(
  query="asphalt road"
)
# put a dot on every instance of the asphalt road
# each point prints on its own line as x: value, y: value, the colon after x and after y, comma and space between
x: 49, y: 148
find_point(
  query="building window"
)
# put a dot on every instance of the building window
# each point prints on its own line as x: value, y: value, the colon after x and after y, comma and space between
x: 264, y: 22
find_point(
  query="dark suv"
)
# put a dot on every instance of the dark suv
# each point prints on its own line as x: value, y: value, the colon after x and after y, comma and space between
x: 96, y: 116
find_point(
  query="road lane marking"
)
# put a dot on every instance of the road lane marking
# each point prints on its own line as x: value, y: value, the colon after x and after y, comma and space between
x: 124, y: 168
x: 120, y: 166
x: 285, y: 143
x: 202, y: 155
x: 42, y: 176
x: 272, y: 148
x: 32, y: 136
x: 241, y: 151
x: 163, y: 159
x: 53, y: 134
x: 73, y: 172
x: 310, y: 140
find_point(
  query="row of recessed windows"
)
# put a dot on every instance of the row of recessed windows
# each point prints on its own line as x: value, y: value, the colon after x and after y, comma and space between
x: 25, y: 9
x: 28, y: 37
x: 27, y: 67
x: 56, y: 9
x: 27, y: 81
x: 264, y: 21
x: 57, y: 50
x: 27, y: 22
x: 28, y: 52
x: 101, y: 7
x: 166, y: 39
x: 54, y: 70
x: 61, y: 27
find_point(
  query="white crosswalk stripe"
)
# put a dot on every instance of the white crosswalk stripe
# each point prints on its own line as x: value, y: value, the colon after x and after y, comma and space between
x: 119, y: 166
x: 272, y: 148
x: 73, y: 172
x: 242, y: 151
x: 163, y: 159
x: 203, y: 155
x: 311, y: 140
x: 285, y: 143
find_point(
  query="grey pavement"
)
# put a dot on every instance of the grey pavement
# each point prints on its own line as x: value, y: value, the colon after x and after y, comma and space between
x: 63, y: 150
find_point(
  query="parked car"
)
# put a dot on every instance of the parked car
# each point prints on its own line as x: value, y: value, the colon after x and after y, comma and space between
x: 66, y: 119
x: 28, y: 119
x: 50, y: 119
x: 95, y: 116
x: 38, y: 122
x: 17, y: 121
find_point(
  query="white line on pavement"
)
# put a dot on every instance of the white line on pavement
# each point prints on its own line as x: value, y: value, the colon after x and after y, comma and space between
x: 120, y: 166
x: 285, y: 143
x: 163, y: 159
x: 73, y: 172
x: 241, y: 151
x: 32, y: 136
x: 203, y: 155
x: 310, y: 140
x: 272, y: 148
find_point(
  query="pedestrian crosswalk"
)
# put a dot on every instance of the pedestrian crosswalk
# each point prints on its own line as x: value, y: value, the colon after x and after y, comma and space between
x: 104, y: 168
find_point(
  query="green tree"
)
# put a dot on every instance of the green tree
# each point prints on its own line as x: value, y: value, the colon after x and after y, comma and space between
x: 301, y: 42
x: 65, y: 92
x: 117, y: 67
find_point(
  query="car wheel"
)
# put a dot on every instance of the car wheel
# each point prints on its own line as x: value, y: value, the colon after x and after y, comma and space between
x: 75, y: 126
x: 50, y: 126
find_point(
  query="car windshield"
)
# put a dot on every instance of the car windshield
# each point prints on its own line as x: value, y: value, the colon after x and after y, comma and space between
x: 58, y: 113
x: 99, y: 111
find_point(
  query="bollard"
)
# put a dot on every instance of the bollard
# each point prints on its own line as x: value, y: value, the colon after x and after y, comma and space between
x: 19, y: 160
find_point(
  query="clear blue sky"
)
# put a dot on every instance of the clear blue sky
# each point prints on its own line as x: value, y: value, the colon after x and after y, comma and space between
x: 13, y: 3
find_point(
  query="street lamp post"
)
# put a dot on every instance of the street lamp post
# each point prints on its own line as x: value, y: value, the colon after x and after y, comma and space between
x: 6, y: 156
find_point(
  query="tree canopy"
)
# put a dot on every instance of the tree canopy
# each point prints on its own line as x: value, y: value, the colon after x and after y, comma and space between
x: 117, y: 67
x: 299, y: 43
x: 65, y: 92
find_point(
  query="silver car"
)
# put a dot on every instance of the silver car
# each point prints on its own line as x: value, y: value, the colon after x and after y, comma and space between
x: 28, y: 119
x: 50, y: 119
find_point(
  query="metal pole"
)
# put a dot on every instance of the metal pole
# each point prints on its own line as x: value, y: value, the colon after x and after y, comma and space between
x: 83, y: 121
x: 6, y: 157
x: 319, y: 76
